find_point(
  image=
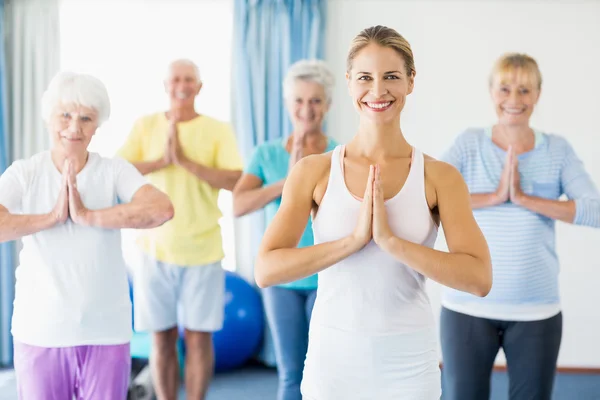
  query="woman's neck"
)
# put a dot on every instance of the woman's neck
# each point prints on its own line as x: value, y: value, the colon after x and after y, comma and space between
x: 78, y: 160
x: 520, y: 137
x: 314, y: 140
x: 377, y: 142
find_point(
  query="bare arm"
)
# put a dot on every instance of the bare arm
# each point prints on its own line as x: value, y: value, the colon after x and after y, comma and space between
x: 15, y: 226
x: 217, y: 178
x: 148, y: 208
x: 467, y: 265
x: 583, y: 206
x: 147, y: 167
x: 250, y: 195
x: 456, y: 156
x: 279, y: 261
x: 555, y: 209
x: 482, y: 200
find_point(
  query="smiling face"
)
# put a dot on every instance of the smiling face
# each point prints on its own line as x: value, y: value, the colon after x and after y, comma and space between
x: 515, y: 94
x: 379, y: 83
x: 72, y: 127
x: 307, y: 105
x: 182, y: 84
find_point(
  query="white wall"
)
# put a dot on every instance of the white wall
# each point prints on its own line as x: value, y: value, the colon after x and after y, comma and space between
x: 455, y: 44
x: 132, y: 58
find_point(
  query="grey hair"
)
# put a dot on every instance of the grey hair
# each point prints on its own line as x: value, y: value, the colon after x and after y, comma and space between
x: 186, y: 62
x: 312, y: 71
x: 73, y: 88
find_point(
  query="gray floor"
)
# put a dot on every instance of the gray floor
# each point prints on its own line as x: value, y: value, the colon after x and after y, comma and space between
x: 255, y: 383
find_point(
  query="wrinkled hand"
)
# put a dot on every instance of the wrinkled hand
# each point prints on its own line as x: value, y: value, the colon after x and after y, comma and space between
x: 364, y: 231
x: 381, y: 228
x: 77, y: 210
x: 503, y: 191
x: 60, y: 212
x: 515, y: 181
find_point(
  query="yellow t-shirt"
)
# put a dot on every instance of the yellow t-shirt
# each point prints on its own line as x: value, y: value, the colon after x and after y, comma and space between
x: 193, y: 236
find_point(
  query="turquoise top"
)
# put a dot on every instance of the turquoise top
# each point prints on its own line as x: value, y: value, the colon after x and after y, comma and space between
x: 270, y: 163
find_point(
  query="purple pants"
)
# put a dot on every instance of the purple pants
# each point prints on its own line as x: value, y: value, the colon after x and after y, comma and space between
x: 80, y: 372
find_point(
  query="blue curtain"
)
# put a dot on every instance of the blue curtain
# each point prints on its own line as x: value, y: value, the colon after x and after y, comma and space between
x: 6, y: 249
x: 269, y: 36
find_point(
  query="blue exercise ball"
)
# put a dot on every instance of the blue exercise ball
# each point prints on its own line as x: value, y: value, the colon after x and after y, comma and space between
x: 243, y: 325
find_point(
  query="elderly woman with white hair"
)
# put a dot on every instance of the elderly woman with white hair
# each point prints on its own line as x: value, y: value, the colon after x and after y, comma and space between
x: 307, y: 91
x: 72, y: 312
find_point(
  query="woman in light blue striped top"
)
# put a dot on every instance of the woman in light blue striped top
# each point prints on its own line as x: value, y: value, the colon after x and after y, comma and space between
x: 516, y: 175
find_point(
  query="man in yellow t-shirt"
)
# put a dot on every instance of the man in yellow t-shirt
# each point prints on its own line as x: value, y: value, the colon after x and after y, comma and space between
x: 190, y: 157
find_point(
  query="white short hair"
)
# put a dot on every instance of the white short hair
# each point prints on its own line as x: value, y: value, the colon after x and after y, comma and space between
x: 183, y: 61
x: 312, y: 71
x: 74, y: 88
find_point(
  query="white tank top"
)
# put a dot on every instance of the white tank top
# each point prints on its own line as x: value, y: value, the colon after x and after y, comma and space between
x: 371, y: 292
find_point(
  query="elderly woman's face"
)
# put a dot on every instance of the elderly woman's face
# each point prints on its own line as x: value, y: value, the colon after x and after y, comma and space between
x: 72, y: 127
x: 307, y: 106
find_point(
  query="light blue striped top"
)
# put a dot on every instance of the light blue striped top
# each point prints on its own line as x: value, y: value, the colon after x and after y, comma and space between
x: 521, y: 242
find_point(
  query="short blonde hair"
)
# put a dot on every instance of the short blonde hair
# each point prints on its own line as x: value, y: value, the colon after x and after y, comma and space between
x: 384, y: 37
x: 74, y: 88
x: 517, y: 64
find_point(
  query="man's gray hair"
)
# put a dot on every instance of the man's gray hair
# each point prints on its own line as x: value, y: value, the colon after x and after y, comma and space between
x: 80, y: 89
x: 312, y: 71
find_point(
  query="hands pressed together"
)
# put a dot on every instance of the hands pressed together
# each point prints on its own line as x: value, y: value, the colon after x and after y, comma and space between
x: 372, y: 220
x: 509, y: 187
x: 373, y: 224
x: 69, y: 202
x: 173, y: 150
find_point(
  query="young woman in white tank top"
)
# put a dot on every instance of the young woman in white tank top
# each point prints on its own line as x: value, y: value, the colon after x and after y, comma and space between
x: 372, y: 333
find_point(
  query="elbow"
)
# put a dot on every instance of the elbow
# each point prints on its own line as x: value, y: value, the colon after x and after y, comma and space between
x: 483, y: 286
x: 166, y: 213
x: 233, y: 181
x: 238, y: 207
x: 169, y: 212
x: 482, y: 289
x: 260, y: 279
x: 260, y: 282
x: 238, y: 213
x: 261, y: 276
x: 586, y: 213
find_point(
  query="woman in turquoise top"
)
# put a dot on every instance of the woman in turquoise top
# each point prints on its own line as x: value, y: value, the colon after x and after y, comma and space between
x: 307, y: 91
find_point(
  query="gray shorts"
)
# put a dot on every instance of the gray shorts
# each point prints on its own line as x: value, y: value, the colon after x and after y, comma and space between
x: 167, y: 295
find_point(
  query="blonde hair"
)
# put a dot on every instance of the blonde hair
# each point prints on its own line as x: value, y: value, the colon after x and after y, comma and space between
x: 384, y: 37
x: 517, y: 64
